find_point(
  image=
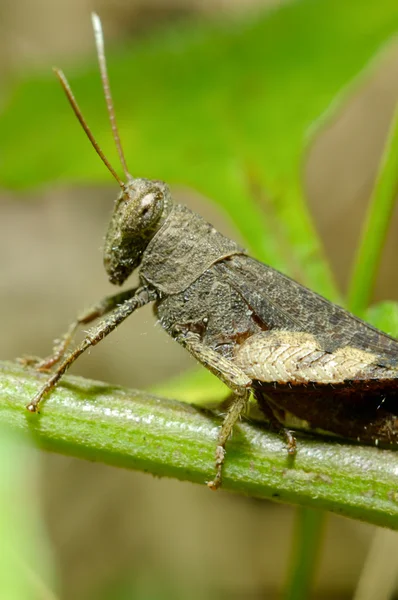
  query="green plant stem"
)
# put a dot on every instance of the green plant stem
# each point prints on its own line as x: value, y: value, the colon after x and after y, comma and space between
x: 306, y: 552
x: 364, y: 273
x: 376, y: 225
x: 135, y: 430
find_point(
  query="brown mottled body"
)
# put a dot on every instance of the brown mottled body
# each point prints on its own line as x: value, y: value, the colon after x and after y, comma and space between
x: 254, y: 328
x: 362, y: 411
x: 328, y: 377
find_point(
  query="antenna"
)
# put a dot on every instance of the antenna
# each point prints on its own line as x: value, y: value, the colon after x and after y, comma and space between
x: 99, y: 42
x: 79, y: 115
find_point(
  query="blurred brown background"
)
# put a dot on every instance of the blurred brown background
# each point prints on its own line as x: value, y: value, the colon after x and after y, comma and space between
x: 114, y: 530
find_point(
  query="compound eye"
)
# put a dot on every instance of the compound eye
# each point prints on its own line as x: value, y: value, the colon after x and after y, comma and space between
x: 147, y: 202
x: 150, y: 206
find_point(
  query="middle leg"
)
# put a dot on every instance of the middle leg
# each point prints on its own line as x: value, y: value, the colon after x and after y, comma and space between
x: 275, y: 417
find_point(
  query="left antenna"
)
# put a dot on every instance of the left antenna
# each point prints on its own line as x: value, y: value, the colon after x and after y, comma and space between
x: 79, y: 114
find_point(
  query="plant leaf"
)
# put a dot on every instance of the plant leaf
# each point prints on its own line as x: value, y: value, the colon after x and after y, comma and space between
x: 223, y: 108
x: 384, y: 315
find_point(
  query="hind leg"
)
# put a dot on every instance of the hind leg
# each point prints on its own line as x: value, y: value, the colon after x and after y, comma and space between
x: 233, y: 377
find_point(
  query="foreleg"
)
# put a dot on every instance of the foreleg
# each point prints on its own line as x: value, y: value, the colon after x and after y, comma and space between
x: 96, y: 311
x: 94, y: 335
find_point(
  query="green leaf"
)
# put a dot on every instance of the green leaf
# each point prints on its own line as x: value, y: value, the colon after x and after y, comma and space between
x: 223, y: 108
x: 384, y: 316
x: 196, y: 386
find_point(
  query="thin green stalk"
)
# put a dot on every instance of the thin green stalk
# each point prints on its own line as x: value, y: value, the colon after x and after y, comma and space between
x: 369, y: 252
x: 308, y: 540
x: 135, y: 430
x: 376, y: 225
x: 375, y: 232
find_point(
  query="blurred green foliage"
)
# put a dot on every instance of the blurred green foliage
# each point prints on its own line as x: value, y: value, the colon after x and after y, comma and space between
x: 224, y: 108
x: 384, y: 315
x: 375, y: 229
x: 25, y: 559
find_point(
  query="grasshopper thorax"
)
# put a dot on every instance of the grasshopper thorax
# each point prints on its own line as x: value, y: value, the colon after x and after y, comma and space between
x: 139, y: 212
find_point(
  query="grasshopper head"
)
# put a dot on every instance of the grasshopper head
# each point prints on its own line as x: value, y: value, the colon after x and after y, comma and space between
x: 139, y: 212
x: 142, y: 205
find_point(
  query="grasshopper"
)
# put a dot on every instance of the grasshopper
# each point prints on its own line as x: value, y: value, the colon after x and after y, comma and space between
x: 257, y: 330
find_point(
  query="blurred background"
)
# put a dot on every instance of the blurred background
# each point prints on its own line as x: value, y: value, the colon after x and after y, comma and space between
x: 245, y: 134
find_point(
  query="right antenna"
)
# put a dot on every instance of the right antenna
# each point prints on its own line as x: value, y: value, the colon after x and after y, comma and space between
x: 99, y: 42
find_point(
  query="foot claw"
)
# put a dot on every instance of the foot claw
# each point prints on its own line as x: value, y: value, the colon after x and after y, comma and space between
x: 43, y: 367
x: 291, y: 442
x: 213, y: 485
x: 28, y: 361
x: 220, y: 456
